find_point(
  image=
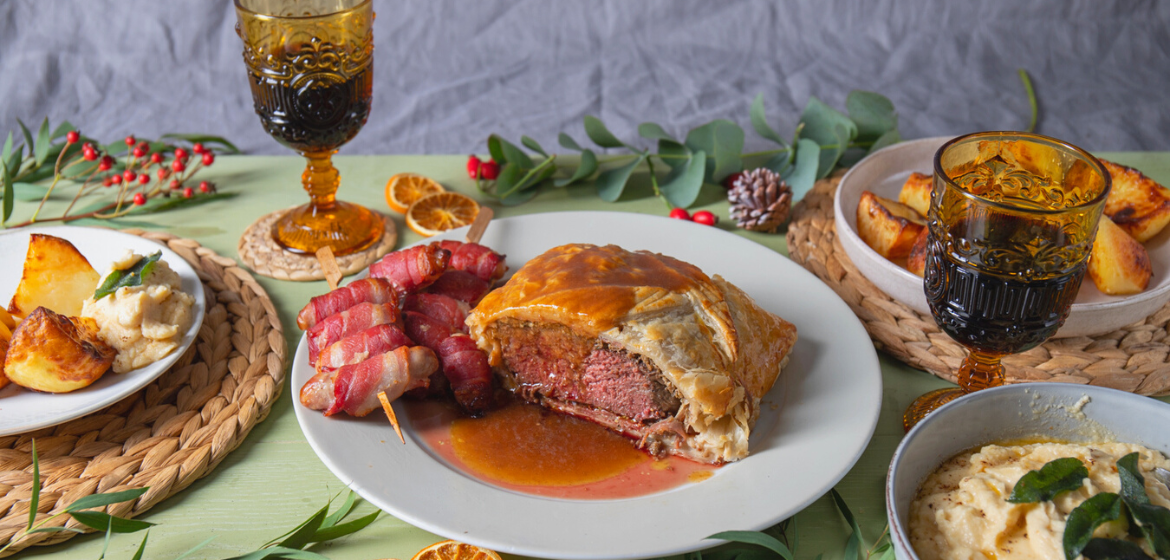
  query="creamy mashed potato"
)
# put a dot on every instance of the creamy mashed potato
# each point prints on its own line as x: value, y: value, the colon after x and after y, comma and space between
x: 961, y: 511
x: 143, y: 323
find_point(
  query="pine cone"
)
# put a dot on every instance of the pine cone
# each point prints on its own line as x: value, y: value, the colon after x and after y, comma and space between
x: 760, y: 200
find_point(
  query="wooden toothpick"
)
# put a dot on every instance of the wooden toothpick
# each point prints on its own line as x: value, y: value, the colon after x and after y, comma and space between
x: 480, y: 224
x: 389, y: 410
x: 329, y: 265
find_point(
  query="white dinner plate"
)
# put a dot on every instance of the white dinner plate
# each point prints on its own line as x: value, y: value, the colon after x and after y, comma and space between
x: 812, y: 428
x: 23, y: 410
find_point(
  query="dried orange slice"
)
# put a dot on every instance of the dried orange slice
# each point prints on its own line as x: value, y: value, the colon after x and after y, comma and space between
x: 405, y: 188
x: 436, y: 213
x: 454, y: 550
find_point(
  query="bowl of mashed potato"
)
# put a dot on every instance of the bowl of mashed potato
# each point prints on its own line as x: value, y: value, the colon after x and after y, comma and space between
x: 949, y: 484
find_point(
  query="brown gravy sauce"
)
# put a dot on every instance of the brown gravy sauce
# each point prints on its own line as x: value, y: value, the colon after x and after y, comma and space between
x: 526, y: 448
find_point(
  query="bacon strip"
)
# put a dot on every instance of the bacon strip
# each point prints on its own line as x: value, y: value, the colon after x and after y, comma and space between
x: 481, y: 261
x: 466, y: 367
x: 351, y: 321
x: 448, y: 311
x: 356, y: 386
x: 368, y: 290
x: 412, y: 268
x: 425, y: 330
x: 357, y: 347
x: 463, y: 286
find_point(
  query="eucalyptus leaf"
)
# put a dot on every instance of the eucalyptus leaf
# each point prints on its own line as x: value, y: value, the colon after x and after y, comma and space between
x: 205, y: 139
x: 7, y: 150
x: 722, y: 141
x: 28, y: 137
x: 41, y: 148
x: 496, y: 149
x: 599, y: 134
x: 803, y: 174
x: 832, y: 153
x: 612, y: 182
x: 1085, y: 519
x: 28, y: 192
x: 779, y: 164
x: 567, y: 142
x: 682, y: 186
x: 757, y: 538
x: 35, y: 495
x: 62, y: 129
x: 337, y: 531
x: 508, y: 179
x: 873, y: 114
x: 888, y: 139
x: 519, y: 197
x: 1058, y: 475
x: 586, y: 168
x: 533, y: 145
x: 653, y: 131
x: 760, y: 122
x: 127, y: 277
x: 99, y: 500
x: 819, y: 123
x: 674, y: 154
x: 1133, y: 484
x: 101, y: 521
x: 512, y: 154
x: 1114, y: 549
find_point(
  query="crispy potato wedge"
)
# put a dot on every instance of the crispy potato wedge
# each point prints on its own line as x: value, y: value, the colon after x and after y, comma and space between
x: 888, y: 227
x: 5, y: 333
x: 56, y: 276
x: 3, y: 352
x: 56, y: 354
x: 1137, y: 204
x: 915, y: 193
x: 916, y: 262
x: 1118, y: 264
x: 7, y: 319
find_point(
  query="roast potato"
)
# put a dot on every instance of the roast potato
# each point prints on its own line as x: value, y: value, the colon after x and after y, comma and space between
x: 6, y: 319
x: 1118, y: 264
x: 3, y: 353
x: 56, y: 276
x: 1137, y: 204
x: 56, y: 354
x: 915, y: 193
x: 916, y: 262
x: 887, y: 226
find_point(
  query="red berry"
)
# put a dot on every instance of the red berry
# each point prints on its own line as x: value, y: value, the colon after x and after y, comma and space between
x: 156, y: 158
x: 680, y: 214
x: 89, y: 154
x: 130, y: 141
x: 208, y: 158
x: 116, y: 179
x: 143, y: 179
x: 180, y: 153
x: 490, y: 170
x: 106, y: 163
x: 175, y: 184
x: 107, y: 182
x: 178, y: 166
x: 188, y: 193
x: 87, y: 146
x: 72, y: 137
x: 140, y: 151
x: 139, y: 199
x: 163, y: 173
x: 129, y: 175
x: 473, y: 164
x: 706, y: 218
x: 729, y: 181
x: 197, y: 148
x: 204, y: 187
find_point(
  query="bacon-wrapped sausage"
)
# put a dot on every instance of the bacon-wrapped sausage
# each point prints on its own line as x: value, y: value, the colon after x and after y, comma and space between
x: 412, y: 268
x: 425, y: 330
x: 460, y: 285
x: 481, y: 261
x: 357, y: 347
x: 448, y: 311
x: 367, y: 290
x: 351, y: 321
x: 354, y: 388
x: 466, y: 367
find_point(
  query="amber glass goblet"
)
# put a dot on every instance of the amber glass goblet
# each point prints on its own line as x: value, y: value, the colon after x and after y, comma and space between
x: 1012, y: 221
x: 310, y: 66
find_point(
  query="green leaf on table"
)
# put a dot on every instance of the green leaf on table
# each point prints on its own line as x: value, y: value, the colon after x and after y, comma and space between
x: 126, y: 277
x: 853, y: 544
x: 1133, y: 484
x: 568, y: 143
x: 106, y: 541
x: 56, y: 530
x: 346, y: 507
x: 1113, y: 549
x: 280, y: 552
x: 888, y: 139
x: 653, y: 131
x: 28, y: 137
x: 508, y: 187
x: 160, y: 204
x: 141, y: 547
x: 1085, y: 519
x: 533, y: 145
x: 101, y: 521
x: 760, y: 122
x: 195, y: 548
x: 99, y: 500
x: 513, y: 154
x: 599, y: 134
x: 337, y: 531
x: 304, y: 533
x: 35, y: 495
x: 496, y: 149
x: 205, y: 139
x: 28, y: 192
x: 722, y: 141
x: 779, y: 164
x: 803, y: 174
x: 873, y: 114
x: 7, y: 149
x: 586, y: 168
x: 62, y: 129
x: 819, y: 123
x: 1058, y: 475
x: 41, y: 148
x: 682, y: 186
x: 757, y: 538
x: 611, y: 182
x: 674, y: 154
x: 831, y: 154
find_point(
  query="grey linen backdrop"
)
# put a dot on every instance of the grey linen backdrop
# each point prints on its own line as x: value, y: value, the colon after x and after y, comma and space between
x: 448, y: 74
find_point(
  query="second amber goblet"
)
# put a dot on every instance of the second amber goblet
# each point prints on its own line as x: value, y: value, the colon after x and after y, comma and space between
x: 310, y: 67
x: 1012, y: 221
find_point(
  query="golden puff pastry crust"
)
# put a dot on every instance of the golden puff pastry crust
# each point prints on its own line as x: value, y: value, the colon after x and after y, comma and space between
x: 718, y: 349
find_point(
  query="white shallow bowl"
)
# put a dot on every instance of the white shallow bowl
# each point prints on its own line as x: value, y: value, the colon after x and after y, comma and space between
x: 1015, y: 412
x: 883, y: 174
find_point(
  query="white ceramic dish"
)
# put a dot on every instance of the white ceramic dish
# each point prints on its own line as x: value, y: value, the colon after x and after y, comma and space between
x: 883, y: 174
x: 829, y: 398
x: 22, y: 410
x: 1015, y: 412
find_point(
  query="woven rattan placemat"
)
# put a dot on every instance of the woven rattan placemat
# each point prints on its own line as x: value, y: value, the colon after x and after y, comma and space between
x: 1133, y: 358
x: 169, y: 434
x: 258, y: 250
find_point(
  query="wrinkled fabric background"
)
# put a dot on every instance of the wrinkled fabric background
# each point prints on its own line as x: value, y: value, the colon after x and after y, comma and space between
x: 448, y: 74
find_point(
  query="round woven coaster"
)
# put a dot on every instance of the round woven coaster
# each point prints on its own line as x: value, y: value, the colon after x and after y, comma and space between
x: 169, y: 434
x: 1133, y: 358
x: 265, y: 257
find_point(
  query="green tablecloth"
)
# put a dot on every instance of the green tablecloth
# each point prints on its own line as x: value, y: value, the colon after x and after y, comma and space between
x: 274, y: 480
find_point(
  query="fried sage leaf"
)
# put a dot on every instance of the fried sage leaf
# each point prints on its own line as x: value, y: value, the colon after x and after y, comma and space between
x: 1053, y: 478
x: 1153, y: 520
x: 1114, y: 549
x: 127, y: 277
x: 1085, y: 519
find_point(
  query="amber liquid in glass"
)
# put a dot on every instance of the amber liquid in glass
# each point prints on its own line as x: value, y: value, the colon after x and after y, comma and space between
x: 317, y: 116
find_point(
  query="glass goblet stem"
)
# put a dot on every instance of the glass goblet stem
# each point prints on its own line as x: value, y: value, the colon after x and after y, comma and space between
x: 321, y: 179
x: 980, y: 370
